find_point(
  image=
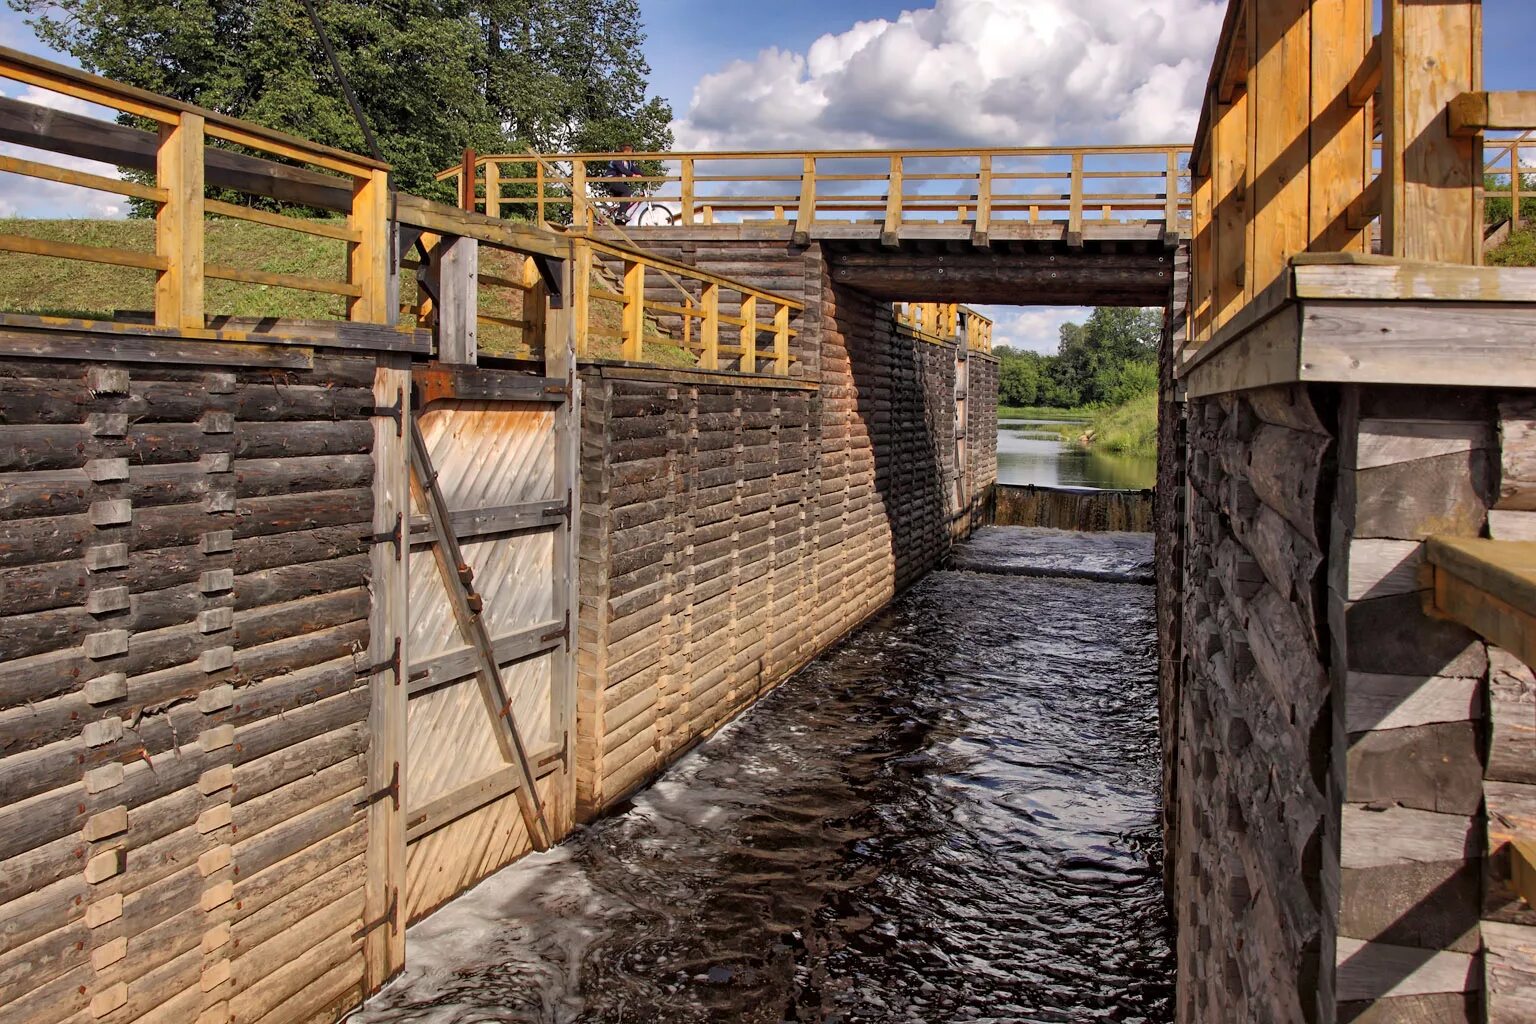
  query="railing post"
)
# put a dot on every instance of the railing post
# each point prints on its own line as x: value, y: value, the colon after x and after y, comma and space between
x: 458, y: 300
x: 1171, y: 200
x: 492, y: 189
x: 1075, y: 207
x: 1515, y: 220
x: 749, y: 334
x: 781, y: 340
x: 983, y: 202
x: 538, y: 184
x: 467, y: 180
x: 805, y: 216
x: 581, y: 294
x: 687, y: 190
x: 890, y: 233
x: 709, y: 330
x: 179, y: 224
x: 634, y: 311
x: 578, y: 194
x: 368, y: 257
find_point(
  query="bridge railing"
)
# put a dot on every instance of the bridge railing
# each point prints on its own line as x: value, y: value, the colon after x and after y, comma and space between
x: 641, y: 308
x: 173, y: 168
x: 1110, y: 184
x: 945, y: 322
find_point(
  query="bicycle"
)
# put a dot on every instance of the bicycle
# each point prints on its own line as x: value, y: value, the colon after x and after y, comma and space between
x: 638, y: 211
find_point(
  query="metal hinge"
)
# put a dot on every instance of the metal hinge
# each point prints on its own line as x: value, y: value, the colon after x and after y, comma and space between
x: 392, y: 791
x: 395, y: 536
x: 388, y: 917
x: 395, y: 412
x: 395, y: 664
x: 556, y: 389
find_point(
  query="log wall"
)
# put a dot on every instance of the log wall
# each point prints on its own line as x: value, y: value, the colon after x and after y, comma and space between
x: 733, y: 528
x: 184, y: 582
x: 1348, y: 769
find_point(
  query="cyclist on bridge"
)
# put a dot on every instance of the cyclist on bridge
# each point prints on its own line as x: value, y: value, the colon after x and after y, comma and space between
x: 625, y: 168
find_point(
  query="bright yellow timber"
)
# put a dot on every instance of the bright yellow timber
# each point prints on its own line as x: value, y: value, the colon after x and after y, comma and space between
x: 179, y: 224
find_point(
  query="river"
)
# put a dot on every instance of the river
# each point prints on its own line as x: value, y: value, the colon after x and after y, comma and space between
x: 1034, y: 452
x: 951, y: 816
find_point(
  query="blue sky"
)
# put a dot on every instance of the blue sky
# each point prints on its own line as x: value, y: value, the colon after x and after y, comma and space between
x: 806, y: 74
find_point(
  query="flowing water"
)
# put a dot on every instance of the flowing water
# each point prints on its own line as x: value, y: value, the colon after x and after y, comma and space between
x: 1035, y: 452
x: 952, y: 816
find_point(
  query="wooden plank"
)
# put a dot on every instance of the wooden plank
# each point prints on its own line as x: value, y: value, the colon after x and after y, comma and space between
x: 88, y: 253
x: 1431, y: 181
x: 1375, y: 702
x: 1489, y: 586
x: 560, y: 361
x: 1387, y: 442
x: 388, y: 625
x: 1399, y: 835
x: 110, y: 346
x: 244, y: 275
x: 634, y: 311
x: 1229, y: 173
x: 436, y: 382
x: 448, y: 666
x: 448, y: 220
x: 82, y: 179
x: 480, y: 522
x: 1376, y: 970
x: 1479, y: 345
x: 1380, y: 568
x: 1388, y: 279
x: 452, y: 806
x: 307, y: 225
x: 369, y: 258
x: 1269, y: 353
x: 1279, y: 119
x: 1474, y: 112
x: 1509, y: 960
x: 455, y: 269
x: 1341, y: 134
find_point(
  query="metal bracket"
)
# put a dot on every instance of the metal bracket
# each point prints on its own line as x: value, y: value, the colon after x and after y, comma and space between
x: 392, y: 791
x: 563, y: 633
x: 395, y: 664
x: 395, y: 536
x: 387, y: 918
x: 395, y: 412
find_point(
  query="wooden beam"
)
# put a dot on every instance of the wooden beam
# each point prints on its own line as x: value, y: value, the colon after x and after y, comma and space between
x: 709, y: 331
x: 1474, y: 112
x: 1432, y: 206
x: 455, y: 271
x: 1340, y: 138
x: 1489, y: 586
x: 1279, y: 120
x: 179, y: 224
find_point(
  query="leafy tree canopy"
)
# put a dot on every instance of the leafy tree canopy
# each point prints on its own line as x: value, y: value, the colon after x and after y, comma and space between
x: 432, y: 77
x: 1108, y: 360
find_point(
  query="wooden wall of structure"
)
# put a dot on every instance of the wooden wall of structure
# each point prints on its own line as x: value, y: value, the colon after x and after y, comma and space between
x: 184, y: 580
x: 734, y: 527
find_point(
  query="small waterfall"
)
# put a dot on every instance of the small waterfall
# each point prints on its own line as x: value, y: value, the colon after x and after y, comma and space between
x: 1085, y: 509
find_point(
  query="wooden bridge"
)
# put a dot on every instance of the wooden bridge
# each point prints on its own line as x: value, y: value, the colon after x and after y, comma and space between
x: 310, y: 625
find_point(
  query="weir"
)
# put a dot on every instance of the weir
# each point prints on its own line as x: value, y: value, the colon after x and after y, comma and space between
x: 306, y: 627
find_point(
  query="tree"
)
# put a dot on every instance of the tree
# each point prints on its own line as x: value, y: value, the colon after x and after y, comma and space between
x: 1018, y: 376
x: 432, y: 77
x: 1497, y: 211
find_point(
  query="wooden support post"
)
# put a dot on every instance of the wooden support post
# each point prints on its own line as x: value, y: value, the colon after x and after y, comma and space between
x: 687, y: 191
x: 1075, y: 204
x: 579, y: 213
x: 179, y: 224
x: 1432, y: 203
x: 388, y: 624
x: 1229, y: 178
x: 634, y: 311
x: 458, y: 267
x: 1516, y: 220
x: 709, y: 214
x: 890, y: 233
x: 748, y: 334
x: 535, y: 305
x: 1171, y: 199
x: 1202, y: 252
x: 805, y: 216
x: 492, y: 189
x: 560, y: 363
x: 538, y: 184
x: 1279, y: 116
x: 781, y: 340
x: 709, y: 330
x: 467, y: 180
x: 983, y: 226
x: 1341, y: 136
x: 368, y: 257
x: 581, y: 296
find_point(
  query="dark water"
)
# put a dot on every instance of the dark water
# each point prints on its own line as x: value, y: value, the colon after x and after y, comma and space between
x: 1033, y: 452
x: 950, y: 817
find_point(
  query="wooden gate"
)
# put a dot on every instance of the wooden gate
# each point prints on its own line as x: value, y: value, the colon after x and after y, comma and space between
x: 491, y: 678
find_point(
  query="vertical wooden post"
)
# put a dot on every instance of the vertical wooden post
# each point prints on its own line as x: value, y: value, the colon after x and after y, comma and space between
x: 458, y: 287
x: 1171, y: 198
x: 687, y: 190
x: 578, y: 194
x: 538, y: 184
x: 1340, y: 136
x: 581, y: 295
x: 709, y: 330
x: 492, y: 189
x: 388, y: 624
x: 535, y: 301
x: 983, y: 225
x: 805, y: 216
x: 749, y: 334
x: 1432, y: 182
x: 634, y: 311
x: 1279, y: 116
x: 1075, y: 204
x: 467, y: 180
x: 1229, y: 177
x: 781, y: 340
x: 890, y: 233
x: 368, y: 257
x: 179, y: 224
x: 1202, y: 253
x: 1516, y: 221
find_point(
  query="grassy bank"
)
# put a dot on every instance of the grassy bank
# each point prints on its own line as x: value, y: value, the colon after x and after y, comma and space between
x: 1129, y: 429
x: 1041, y: 412
x: 1518, y: 250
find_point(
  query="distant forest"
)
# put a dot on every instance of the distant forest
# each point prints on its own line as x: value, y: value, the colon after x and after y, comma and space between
x: 1109, y: 360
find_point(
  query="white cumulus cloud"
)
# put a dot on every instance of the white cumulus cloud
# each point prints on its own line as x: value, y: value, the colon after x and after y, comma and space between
x: 971, y: 73
x: 22, y: 196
